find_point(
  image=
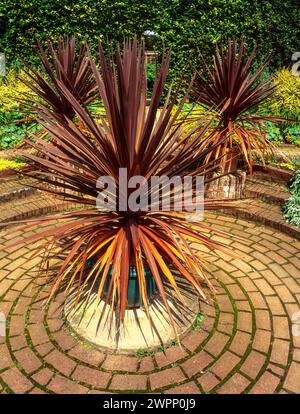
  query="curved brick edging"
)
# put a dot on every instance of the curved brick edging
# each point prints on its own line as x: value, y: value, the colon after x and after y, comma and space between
x: 255, y: 210
x: 257, y: 205
x: 263, y: 213
x: 34, y: 205
x: 245, y: 343
x: 275, y: 174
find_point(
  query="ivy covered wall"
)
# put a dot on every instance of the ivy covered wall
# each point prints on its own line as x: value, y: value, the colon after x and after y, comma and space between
x: 189, y: 27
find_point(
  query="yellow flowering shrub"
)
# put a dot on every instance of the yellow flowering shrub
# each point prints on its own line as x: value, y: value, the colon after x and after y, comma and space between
x: 13, y: 127
x: 287, y: 98
x: 6, y: 164
x: 197, y: 114
x: 285, y: 104
x: 12, y: 90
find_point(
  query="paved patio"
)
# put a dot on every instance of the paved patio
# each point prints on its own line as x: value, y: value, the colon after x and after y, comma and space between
x: 244, y: 345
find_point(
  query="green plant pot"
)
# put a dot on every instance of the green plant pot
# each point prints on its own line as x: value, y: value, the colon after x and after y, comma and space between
x: 133, y: 292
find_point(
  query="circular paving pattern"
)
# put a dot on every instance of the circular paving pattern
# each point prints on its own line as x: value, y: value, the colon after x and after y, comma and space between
x: 244, y: 345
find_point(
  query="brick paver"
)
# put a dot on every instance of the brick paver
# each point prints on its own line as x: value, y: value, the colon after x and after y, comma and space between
x: 129, y: 382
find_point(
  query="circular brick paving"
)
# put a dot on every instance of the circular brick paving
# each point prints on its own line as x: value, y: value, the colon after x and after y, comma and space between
x: 245, y: 343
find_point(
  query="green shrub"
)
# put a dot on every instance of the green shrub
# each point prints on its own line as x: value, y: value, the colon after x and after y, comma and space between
x: 274, y: 133
x: 295, y: 185
x: 292, y: 210
x: 151, y: 71
x: 11, y: 132
x: 292, y: 205
x: 295, y: 161
x: 14, y: 127
x: 291, y: 133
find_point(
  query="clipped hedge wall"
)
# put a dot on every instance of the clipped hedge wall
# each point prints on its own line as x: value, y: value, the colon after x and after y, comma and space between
x: 187, y: 26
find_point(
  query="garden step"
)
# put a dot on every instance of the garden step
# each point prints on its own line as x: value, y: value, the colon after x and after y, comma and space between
x: 270, y: 192
x: 267, y: 179
x: 289, y: 150
x: 262, y: 212
x: 34, y: 205
x: 11, y: 189
x: 17, y: 194
x: 272, y: 174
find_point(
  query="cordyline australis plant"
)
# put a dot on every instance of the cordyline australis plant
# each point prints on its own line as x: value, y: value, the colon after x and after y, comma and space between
x: 235, y: 91
x: 146, y: 141
x: 65, y: 66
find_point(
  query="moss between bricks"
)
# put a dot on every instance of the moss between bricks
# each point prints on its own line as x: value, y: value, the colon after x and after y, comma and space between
x: 215, y: 328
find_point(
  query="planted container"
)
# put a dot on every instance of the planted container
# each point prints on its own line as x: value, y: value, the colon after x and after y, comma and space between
x: 133, y: 290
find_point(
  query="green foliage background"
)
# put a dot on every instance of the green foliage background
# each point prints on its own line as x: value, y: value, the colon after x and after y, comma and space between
x: 292, y: 206
x: 187, y: 26
x: 13, y: 123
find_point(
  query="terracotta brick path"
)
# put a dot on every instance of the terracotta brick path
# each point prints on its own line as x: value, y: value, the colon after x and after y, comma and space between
x: 244, y: 345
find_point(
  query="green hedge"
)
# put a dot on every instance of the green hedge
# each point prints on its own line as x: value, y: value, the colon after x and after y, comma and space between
x: 188, y: 26
x: 292, y: 206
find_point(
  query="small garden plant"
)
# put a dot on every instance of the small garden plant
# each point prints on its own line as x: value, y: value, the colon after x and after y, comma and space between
x: 292, y: 205
x: 66, y: 67
x: 234, y: 91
